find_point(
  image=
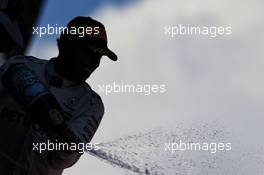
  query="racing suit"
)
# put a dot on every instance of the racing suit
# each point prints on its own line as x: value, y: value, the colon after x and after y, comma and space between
x: 83, y: 110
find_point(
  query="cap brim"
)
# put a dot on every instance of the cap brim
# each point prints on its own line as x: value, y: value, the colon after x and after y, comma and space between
x: 104, y: 52
x: 110, y: 54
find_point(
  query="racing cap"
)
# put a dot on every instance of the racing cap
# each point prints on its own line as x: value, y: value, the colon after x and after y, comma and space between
x: 89, y: 32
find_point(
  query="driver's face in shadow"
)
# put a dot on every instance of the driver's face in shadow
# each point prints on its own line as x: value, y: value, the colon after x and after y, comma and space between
x: 82, y: 59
